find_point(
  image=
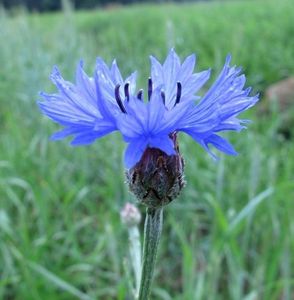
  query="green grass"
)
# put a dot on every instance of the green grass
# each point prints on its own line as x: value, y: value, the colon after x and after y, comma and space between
x: 230, y: 234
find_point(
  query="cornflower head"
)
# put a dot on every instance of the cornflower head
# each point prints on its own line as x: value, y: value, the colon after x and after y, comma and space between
x: 150, y: 121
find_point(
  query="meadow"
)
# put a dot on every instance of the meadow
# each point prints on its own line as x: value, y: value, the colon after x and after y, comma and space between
x: 229, y: 236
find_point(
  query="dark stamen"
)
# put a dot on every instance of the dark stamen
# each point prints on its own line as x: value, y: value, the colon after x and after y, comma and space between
x: 179, y: 93
x: 149, y: 88
x: 163, y: 96
x: 140, y: 95
x: 126, y: 89
x: 118, y: 99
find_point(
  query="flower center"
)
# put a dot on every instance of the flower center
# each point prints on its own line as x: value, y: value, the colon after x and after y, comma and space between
x: 162, y: 93
x: 140, y: 94
x: 150, y: 88
x: 118, y: 98
x: 179, y: 93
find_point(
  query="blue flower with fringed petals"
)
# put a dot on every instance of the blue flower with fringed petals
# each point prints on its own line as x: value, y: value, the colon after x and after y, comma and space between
x: 98, y: 105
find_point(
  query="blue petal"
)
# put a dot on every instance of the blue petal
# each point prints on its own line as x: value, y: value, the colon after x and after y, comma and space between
x: 84, y: 134
x: 63, y: 113
x: 221, y: 144
x: 115, y: 73
x: 137, y: 110
x: 167, y: 76
x: 220, y: 105
x: 187, y: 68
x: 156, y: 72
x: 223, y: 76
x: 156, y: 110
x: 171, y: 69
x: 134, y: 152
x: 86, y: 86
x: 81, y: 108
x: 132, y: 83
x: 230, y: 124
x: 194, y: 84
x: 106, y: 108
x: 105, y: 81
x: 218, y: 142
x: 65, y: 132
x: 173, y: 118
x: 129, y: 127
x: 88, y: 137
x: 163, y: 143
x: 66, y: 89
x: 74, y: 96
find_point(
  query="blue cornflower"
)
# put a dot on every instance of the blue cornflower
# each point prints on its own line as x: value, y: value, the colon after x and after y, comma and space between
x: 94, y: 107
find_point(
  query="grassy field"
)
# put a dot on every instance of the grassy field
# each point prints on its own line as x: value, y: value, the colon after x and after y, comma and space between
x: 230, y: 234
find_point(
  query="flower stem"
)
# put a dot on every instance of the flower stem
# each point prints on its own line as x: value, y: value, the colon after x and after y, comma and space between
x: 135, y: 254
x: 152, y: 232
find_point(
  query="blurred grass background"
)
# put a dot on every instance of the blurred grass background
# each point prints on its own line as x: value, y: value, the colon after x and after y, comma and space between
x: 229, y: 235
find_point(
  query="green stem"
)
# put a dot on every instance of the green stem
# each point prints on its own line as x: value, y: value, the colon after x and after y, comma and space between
x: 152, y: 232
